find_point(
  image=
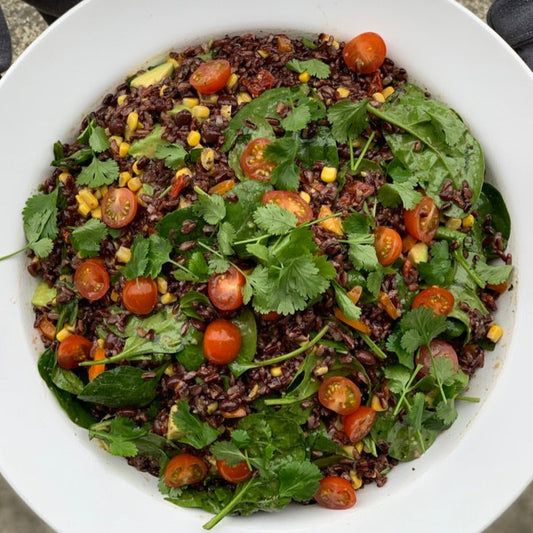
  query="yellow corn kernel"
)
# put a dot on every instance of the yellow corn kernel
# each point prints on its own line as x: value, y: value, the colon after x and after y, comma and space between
x: 321, y: 370
x: 453, y: 223
x: 349, y: 449
x: 469, y: 221
x: 88, y: 197
x: 96, y: 212
x: 225, y: 111
x: 276, y: 371
x: 200, y: 111
x: 168, y: 298
x: 123, y: 149
x: 336, y: 45
x: 328, y: 174
x: 63, y: 334
x: 135, y: 184
x: 304, y: 77
x: 83, y: 209
x: 495, y: 333
x: 133, y: 120
x: 64, y: 176
x: 376, y: 404
x: 121, y: 99
x: 97, y: 194
x: 162, y: 285
x: 243, y: 98
x: 333, y: 225
x: 162, y: 90
x: 207, y: 158
x: 254, y: 391
x: 378, y: 97
x: 210, y: 98
x: 191, y: 102
x: 114, y: 296
x: 174, y: 62
x: 184, y: 203
x: 103, y: 190
x: 387, y: 91
x: 123, y: 254
x: 193, y: 139
x: 123, y: 179
x: 232, y: 80
x: 342, y: 92
x: 263, y: 53
x: 356, y: 480
x: 116, y: 139
x: 305, y: 197
x: 100, y: 343
x: 359, y: 446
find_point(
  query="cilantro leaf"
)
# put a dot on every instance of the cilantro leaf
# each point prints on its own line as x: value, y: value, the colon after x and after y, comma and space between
x: 158, y: 255
x: 148, y: 255
x: 138, y: 263
x: 437, y: 271
x: 241, y: 438
x: 274, y: 219
x: 392, y: 194
x: 210, y: 207
x: 298, y: 480
x: 493, y: 274
x: 43, y: 247
x: 94, y: 136
x: 173, y: 154
x: 86, y: 239
x: 348, y: 119
x: 40, y: 216
x: 283, y: 152
x: 362, y: 251
x: 218, y: 265
x: 120, y: 433
x: 297, y: 119
x: 226, y: 236
x: 197, y: 434
x: 446, y: 411
x: 314, y: 67
x: 349, y: 309
x: 420, y: 327
x: 227, y: 451
x: 98, y: 173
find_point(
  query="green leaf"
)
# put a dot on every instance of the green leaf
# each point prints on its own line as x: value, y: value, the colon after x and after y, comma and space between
x: 188, y: 301
x: 86, y: 239
x: 349, y: 309
x: 286, y: 173
x: 67, y: 380
x: 274, y: 219
x: 299, y: 480
x: 42, y: 247
x: 148, y: 255
x: 120, y: 433
x: 228, y: 452
x: 362, y: 251
x: 197, y: 434
x: 98, y: 173
x: 314, y: 67
x: 348, y: 119
x: 210, y: 207
x: 420, y: 327
x: 138, y: 263
x: 437, y: 271
x: 493, y: 274
x: 94, y: 136
x: 40, y: 216
x: 226, y: 237
x: 297, y: 119
x: 173, y: 154
x: 245, y: 321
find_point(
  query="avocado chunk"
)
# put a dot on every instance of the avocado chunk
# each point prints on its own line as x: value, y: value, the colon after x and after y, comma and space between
x: 148, y: 145
x: 43, y: 295
x: 154, y: 75
x: 418, y: 253
x: 173, y: 431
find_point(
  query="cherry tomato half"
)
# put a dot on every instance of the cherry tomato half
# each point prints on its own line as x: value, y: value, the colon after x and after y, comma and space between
x: 365, y: 53
x: 91, y: 279
x: 234, y: 474
x: 357, y: 425
x: 253, y: 162
x: 422, y: 222
x: 340, y: 395
x: 388, y: 245
x: 211, y: 76
x: 438, y: 349
x: 184, y: 469
x: 335, y: 493
x: 222, y: 342
x: 225, y: 290
x: 439, y: 299
x: 292, y: 202
x: 72, y: 351
x: 140, y: 295
x: 119, y: 207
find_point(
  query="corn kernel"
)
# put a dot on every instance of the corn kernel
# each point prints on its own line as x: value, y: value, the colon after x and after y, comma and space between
x: 378, y: 97
x: 210, y: 98
x: 333, y: 225
x: 114, y: 296
x: 321, y: 370
x: 63, y: 334
x: 254, y: 391
x: 387, y: 91
x: 304, y: 77
x: 335, y: 45
x: 175, y: 63
x: 63, y: 176
x: 328, y: 174
x: 83, y: 209
x: 453, y: 223
x: 162, y: 285
x: 495, y: 333
x: 135, y: 184
x: 115, y: 139
x: 359, y: 446
x: 168, y: 298
x: 103, y: 190
x: 225, y: 111
x: 469, y: 221
x: 121, y: 99
x: 169, y: 370
x: 184, y: 203
x: 100, y: 343
x: 200, y: 111
x: 123, y: 179
x: 191, y: 102
x: 276, y: 371
x: 232, y: 80
x: 349, y: 449
x: 123, y: 254
x: 376, y: 404
x: 123, y: 149
x: 263, y: 53
x: 356, y: 480
x: 342, y: 92
x: 88, y: 197
x: 207, y: 158
x: 97, y: 212
x: 243, y: 98
x: 193, y: 139
x: 305, y: 197
x: 133, y: 120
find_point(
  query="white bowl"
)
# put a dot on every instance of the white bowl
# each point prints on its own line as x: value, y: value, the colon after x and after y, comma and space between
x: 474, y: 470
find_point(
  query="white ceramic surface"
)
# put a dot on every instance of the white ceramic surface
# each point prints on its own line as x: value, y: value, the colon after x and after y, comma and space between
x: 474, y: 471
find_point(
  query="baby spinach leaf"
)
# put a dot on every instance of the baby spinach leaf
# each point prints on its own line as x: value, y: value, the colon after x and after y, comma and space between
x: 248, y: 327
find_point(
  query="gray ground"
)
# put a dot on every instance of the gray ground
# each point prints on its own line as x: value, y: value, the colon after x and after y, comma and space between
x: 15, y: 516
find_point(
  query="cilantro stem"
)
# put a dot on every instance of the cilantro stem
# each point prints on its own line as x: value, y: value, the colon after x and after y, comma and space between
x: 458, y: 256
x: 355, y: 166
x: 165, y: 192
x: 303, y: 348
x: 437, y: 376
x: 472, y: 399
x: 15, y: 253
x: 252, y: 239
x: 406, y: 390
x: 218, y: 254
x: 230, y: 506
x: 372, y: 345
